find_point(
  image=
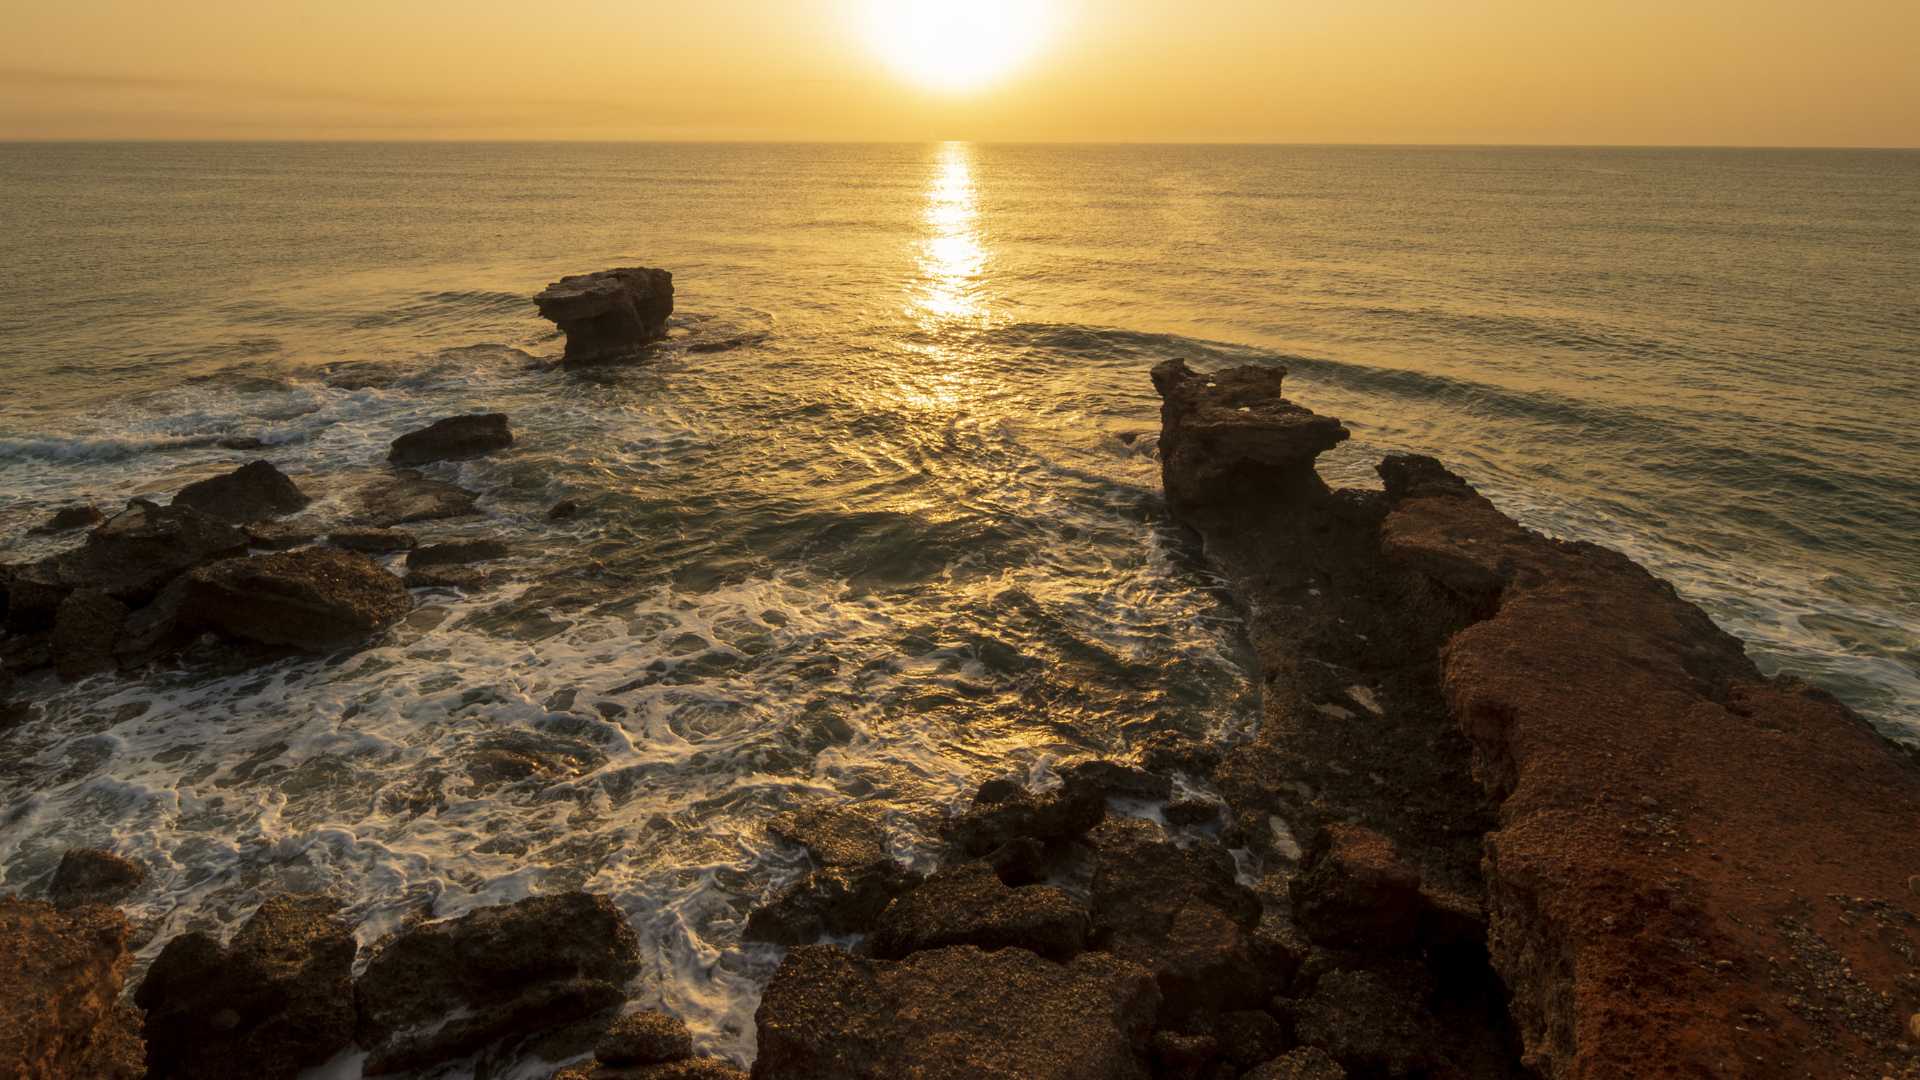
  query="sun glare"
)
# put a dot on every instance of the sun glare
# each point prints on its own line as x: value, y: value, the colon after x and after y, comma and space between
x: 958, y: 45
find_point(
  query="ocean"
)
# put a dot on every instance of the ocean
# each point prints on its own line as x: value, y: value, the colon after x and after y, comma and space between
x: 881, y: 519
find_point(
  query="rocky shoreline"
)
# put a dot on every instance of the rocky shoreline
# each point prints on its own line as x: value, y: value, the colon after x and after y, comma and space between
x: 1513, y: 808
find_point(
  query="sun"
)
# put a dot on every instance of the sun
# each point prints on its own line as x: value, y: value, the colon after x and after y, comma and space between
x: 955, y: 46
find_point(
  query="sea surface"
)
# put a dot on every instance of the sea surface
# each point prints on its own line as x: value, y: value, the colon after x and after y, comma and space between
x: 882, y: 519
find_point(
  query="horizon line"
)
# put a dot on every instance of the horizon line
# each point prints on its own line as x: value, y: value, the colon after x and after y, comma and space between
x: 454, y: 141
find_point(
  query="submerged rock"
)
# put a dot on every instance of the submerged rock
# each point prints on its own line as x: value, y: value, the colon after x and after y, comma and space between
x: 608, y: 313
x: 91, y: 876
x: 1004, y: 810
x: 69, y: 518
x: 253, y: 492
x: 955, y: 1013
x: 456, y: 438
x: 314, y: 599
x: 279, y: 999
x: 832, y: 900
x: 59, y: 994
x: 493, y: 973
x: 372, y: 541
x: 402, y: 500
x: 967, y: 904
x: 456, y: 553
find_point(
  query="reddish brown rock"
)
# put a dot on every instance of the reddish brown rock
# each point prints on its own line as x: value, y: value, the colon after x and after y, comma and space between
x: 1697, y: 870
x: 60, y: 985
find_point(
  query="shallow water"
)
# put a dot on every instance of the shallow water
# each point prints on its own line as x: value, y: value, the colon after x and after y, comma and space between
x: 882, y: 518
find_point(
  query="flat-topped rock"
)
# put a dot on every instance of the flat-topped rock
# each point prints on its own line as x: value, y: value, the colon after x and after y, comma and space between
x: 253, y: 492
x: 1229, y: 434
x: 609, y: 313
x: 456, y: 438
x: 967, y: 904
x: 314, y: 599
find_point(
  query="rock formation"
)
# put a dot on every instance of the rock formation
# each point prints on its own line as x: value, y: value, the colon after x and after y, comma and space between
x: 457, y: 438
x: 608, y: 314
x: 250, y: 493
x: 1534, y: 774
x: 60, y: 982
x: 315, y: 599
x: 89, y: 876
x: 276, y: 1001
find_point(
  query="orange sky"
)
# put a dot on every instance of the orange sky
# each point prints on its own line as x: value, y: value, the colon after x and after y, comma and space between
x: 1691, y: 72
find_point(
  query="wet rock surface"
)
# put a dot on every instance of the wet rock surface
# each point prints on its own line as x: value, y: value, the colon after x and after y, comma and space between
x: 456, y: 438
x: 644, y: 1038
x: 129, y: 558
x: 1005, y: 811
x: 372, y: 541
x: 456, y: 553
x: 609, y: 313
x: 253, y: 492
x: 91, y: 876
x: 313, y: 599
x: 833, y: 900
x: 69, y: 518
x: 844, y: 836
x: 956, y: 1012
x: 59, y: 994
x: 405, y: 499
x: 446, y: 989
x: 85, y: 627
x: 277, y: 1000
x: 969, y: 905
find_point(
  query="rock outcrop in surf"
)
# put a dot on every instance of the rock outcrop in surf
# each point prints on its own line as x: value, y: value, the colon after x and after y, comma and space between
x: 609, y: 313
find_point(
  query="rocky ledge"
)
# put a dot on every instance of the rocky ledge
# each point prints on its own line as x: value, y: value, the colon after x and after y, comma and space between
x: 1533, y: 755
x: 609, y: 313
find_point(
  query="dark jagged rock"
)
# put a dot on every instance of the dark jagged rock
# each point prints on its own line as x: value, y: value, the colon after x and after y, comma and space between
x: 161, y: 628
x: 832, y: 900
x: 313, y: 599
x: 456, y: 553
x: 1179, y: 913
x: 279, y: 999
x: 1305, y: 1063
x: 372, y: 541
x: 968, y: 905
x: 844, y: 835
x: 1192, y: 812
x: 1249, y: 1037
x: 644, y: 1038
x: 402, y: 500
x: 1355, y: 891
x: 1369, y: 1025
x: 253, y: 492
x: 1229, y: 432
x: 502, y: 971
x: 1180, y: 1055
x: 91, y: 876
x: 608, y: 313
x: 1167, y: 752
x: 955, y: 1013
x: 85, y: 626
x: 60, y: 981
x: 69, y: 518
x: 1113, y: 779
x: 1004, y: 810
x: 456, y: 438
x: 130, y: 558
x: 1021, y: 861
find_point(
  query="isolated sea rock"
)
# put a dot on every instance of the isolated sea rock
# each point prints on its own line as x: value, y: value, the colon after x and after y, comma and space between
x: 401, y: 500
x: 253, y: 492
x: 59, y: 994
x: 457, y: 438
x: 277, y: 1000
x: 69, y: 518
x: 955, y: 1013
x: 92, y: 876
x: 610, y: 312
x: 967, y: 904
x: 1228, y: 434
x: 129, y: 558
x: 313, y: 599
x: 493, y: 973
